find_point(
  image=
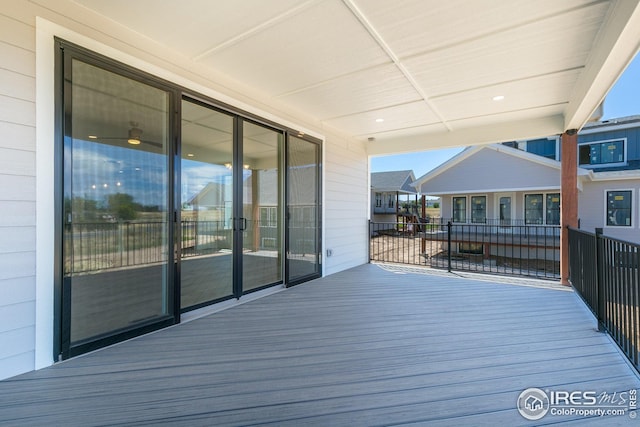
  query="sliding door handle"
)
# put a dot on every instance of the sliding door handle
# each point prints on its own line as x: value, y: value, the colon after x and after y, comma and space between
x: 239, y: 224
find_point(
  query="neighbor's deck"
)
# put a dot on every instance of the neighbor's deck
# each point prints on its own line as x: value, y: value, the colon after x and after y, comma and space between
x: 367, y: 346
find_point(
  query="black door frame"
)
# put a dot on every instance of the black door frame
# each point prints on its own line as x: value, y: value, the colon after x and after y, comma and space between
x: 65, y: 51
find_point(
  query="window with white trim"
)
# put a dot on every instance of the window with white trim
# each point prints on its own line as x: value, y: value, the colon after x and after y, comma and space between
x: 269, y: 216
x: 552, y: 209
x: 378, y: 200
x: 602, y: 153
x: 542, y: 208
x: 619, y: 208
x: 479, y: 209
x: 533, y: 208
x: 460, y: 209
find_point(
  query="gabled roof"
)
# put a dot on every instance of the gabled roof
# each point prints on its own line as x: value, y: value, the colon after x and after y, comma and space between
x: 470, y: 152
x: 399, y: 181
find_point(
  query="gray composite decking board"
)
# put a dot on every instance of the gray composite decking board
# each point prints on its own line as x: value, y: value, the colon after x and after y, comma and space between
x: 362, y: 347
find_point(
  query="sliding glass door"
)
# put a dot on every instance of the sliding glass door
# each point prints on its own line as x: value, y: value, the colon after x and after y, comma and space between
x: 303, y: 210
x: 168, y: 202
x: 206, y: 195
x: 116, y: 259
x: 262, y: 195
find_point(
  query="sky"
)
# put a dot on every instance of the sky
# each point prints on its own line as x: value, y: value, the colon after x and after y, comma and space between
x: 623, y: 100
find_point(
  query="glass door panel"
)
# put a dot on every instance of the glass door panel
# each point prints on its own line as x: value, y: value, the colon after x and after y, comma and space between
x: 303, y: 209
x: 116, y: 206
x: 261, y: 219
x: 206, y: 272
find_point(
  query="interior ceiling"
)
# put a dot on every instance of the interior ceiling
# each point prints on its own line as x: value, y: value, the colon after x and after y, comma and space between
x: 411, y: 75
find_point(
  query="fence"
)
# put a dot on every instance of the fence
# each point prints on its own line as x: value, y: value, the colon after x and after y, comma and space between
x: 604, y: 272
x: 91, y: 247
x: 498, y: 247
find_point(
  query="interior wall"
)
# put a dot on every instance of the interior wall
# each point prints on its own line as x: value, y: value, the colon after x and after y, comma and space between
x: 26, y: 146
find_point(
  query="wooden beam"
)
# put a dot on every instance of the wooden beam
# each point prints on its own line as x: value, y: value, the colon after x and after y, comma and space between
x: 569, y: 197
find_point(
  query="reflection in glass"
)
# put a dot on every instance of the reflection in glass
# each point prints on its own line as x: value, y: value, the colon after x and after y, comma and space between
x: 116, y: 206
x: 262, y: 207
x: 303, y: 208
x: 207, y: 201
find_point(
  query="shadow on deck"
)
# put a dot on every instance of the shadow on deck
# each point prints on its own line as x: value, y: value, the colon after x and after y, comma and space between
x: 368, y: 346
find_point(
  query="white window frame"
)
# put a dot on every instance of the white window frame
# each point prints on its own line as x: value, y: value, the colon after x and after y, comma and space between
x: 466, y: 208
x: 496, y: 203
x: 606, y: 210
x: 486, y: 208
x: 605, y: 165
x: 544, y: 206
x: 378, y: 200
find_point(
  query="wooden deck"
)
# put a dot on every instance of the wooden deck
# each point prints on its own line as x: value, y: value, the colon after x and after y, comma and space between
x: 364, y: 347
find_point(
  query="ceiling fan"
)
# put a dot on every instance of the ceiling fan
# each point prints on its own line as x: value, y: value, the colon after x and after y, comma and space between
x: 134, y: 136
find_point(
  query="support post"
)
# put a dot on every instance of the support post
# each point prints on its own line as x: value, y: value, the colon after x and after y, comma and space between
x: 569, y: 197
x: 599, y: 281
x: 449, y: 226
x: 423, y: 241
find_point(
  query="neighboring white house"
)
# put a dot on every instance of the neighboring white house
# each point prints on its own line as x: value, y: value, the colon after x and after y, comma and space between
x: 513, y: 185
x: 388, y: 190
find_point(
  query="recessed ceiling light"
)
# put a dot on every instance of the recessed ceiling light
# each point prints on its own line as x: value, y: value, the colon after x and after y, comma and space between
x: 498, y: 98
x: 93, y: 137
x: 379, y: 120
x: 189, y: 154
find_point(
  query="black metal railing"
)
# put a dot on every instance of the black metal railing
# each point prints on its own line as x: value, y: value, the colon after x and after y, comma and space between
x: 495, y: 246
x: 604, y: 272
x: 97, y: 246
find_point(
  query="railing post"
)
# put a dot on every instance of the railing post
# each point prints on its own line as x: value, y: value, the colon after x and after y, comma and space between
x: 370, y: 240
x: 449, y: 226
x: 599, y: 281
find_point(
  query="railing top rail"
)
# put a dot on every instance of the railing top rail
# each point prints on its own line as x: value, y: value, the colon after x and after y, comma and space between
x: 581, y: 231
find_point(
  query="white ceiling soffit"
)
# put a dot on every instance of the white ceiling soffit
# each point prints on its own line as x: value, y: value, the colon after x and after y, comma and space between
x: 428, y: 69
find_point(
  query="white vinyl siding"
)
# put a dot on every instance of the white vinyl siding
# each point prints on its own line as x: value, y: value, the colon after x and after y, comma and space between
x: 474, y: 175
x: 17, y: 194
x: 346, y: 168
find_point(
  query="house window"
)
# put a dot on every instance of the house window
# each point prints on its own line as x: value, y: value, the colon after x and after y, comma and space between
x: 390, y: 201
x: 478, y: 209
x: 471, y: 248
x: 533, y: 208
x: 269, y: 217
x: 602, y: 153
x: 460, y: 209
x: 553, y: 209
x: 378, y: 200
x: 619, y: 208
x: 505, y: 210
